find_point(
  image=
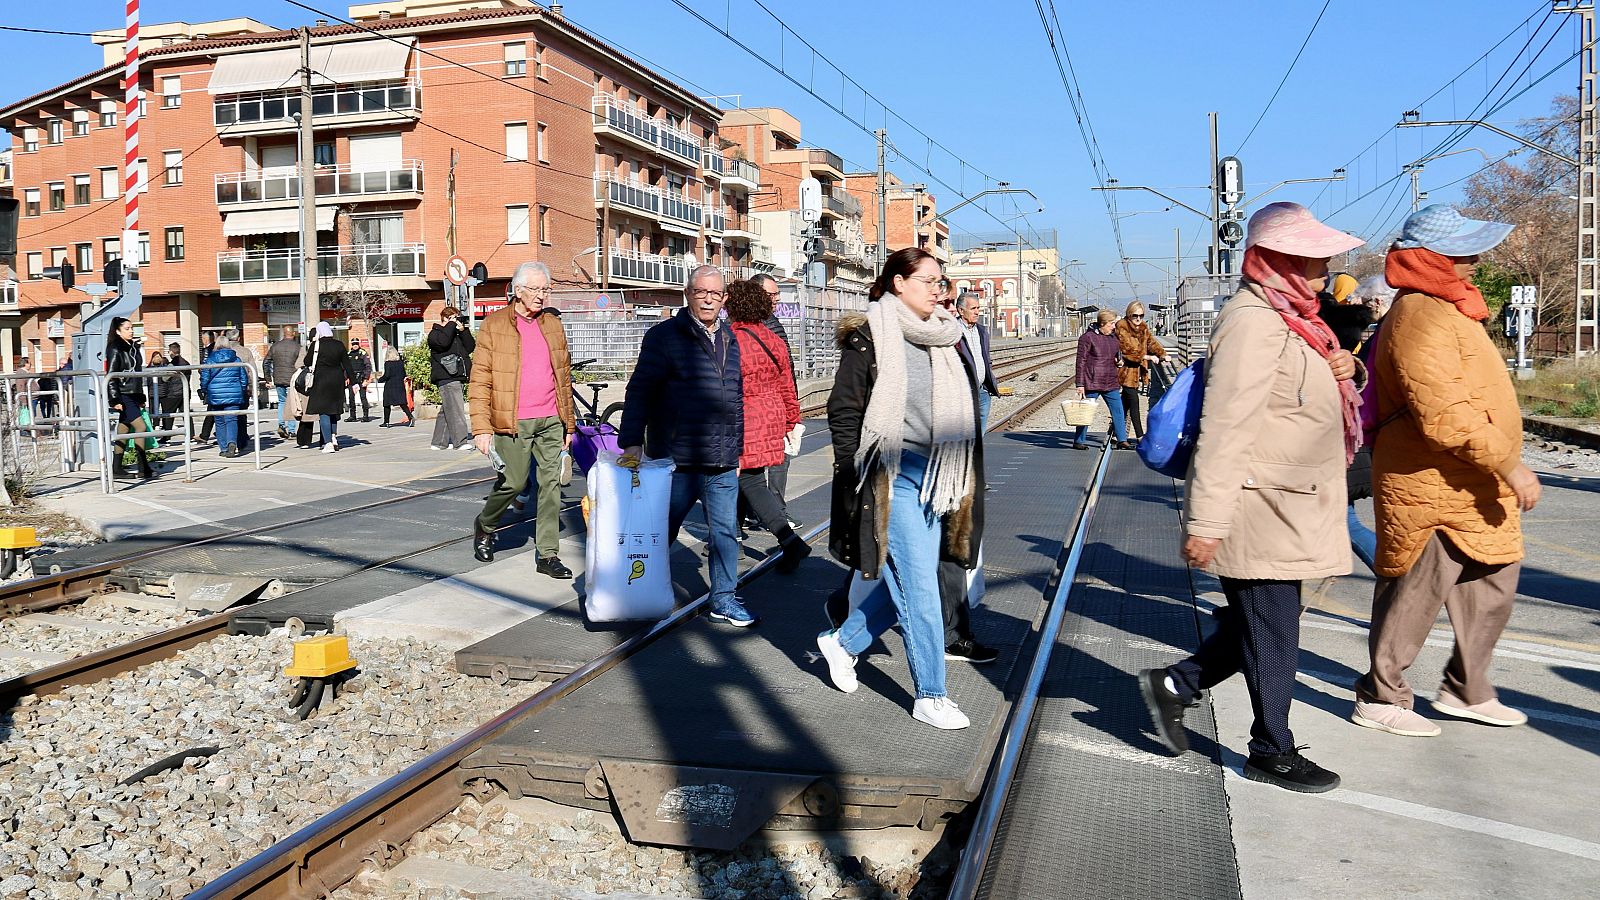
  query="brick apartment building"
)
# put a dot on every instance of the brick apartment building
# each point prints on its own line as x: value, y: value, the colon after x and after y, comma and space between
x: 907, y: 210
x: 566, y: 151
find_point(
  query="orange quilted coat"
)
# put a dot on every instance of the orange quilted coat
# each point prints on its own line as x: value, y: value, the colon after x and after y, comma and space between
x: 1456, y: 424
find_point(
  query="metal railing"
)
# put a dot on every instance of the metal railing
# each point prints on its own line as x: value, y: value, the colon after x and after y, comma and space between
x: 328, y: 103
x: 841, y: 202
x: 744, y: 170
x: 716, y: 219
x: 825, y: 158
x: 108, y: 436
x: 641, y: 197
x: 715, y: 163
x: 678, y: 142
x: 610, y: 111
x: 677, y: 206
x: 636, y: 266
x: 330, y: 181
x: 370, y: 260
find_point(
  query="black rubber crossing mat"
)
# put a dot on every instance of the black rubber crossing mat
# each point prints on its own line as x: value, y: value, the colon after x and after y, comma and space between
x: 708, y: 697
x: 1097, y: 808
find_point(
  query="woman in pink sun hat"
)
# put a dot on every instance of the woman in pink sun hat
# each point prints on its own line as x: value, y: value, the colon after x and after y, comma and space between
x: 1265, y: 495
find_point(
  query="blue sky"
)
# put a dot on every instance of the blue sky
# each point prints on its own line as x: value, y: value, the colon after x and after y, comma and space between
x: 980, y: 79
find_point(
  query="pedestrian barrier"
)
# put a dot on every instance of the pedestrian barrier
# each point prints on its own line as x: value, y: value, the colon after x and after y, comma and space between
x: 108, y: 436
x: 20, y: 395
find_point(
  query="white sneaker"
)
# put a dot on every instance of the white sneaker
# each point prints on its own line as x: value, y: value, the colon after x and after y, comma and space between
x: 435, y: 447
x: 940, y: 712
x: 330, y: 448
x: 468, y: 446
x: 841, y: 665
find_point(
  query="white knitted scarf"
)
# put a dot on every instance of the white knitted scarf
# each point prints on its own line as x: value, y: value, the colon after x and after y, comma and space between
x: 950, y: 477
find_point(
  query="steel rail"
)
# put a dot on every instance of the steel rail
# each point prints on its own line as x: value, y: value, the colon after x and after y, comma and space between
x: 1056, y: 355
x: 60, y: 588
x: 331, y: 850
x: 975, y: 856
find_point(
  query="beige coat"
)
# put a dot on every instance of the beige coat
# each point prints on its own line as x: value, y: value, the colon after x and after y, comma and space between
x: 1455, y: 424
x: 1268, y: 473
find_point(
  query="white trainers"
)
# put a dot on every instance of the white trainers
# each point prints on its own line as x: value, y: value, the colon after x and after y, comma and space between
x: 1489, y: 712
x: 330, y: 447
x: 1392, y: 718
x: 435, y: 447
x: 940, y: 712
x: 841, y: 665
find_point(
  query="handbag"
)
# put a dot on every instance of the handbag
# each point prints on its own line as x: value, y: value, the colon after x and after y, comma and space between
x: 304, y: 378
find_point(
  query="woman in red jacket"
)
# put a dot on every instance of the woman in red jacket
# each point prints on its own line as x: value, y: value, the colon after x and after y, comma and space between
x: 771, y: 410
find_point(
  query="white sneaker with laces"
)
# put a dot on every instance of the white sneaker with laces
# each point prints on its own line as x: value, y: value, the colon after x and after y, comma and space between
x: 330, y: 448
x: 841, y: 665
x: 940, y: 712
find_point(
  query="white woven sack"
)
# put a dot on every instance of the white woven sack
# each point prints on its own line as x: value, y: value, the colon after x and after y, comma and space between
x: 1078, y: 412
x: 628, y: 576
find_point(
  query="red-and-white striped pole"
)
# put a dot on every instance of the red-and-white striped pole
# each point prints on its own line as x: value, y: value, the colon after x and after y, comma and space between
x: 130, y: 140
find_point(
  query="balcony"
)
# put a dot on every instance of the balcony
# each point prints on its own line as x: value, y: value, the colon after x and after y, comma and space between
x: 743, y: 174
x: 840, y: 251
x: 680, y: 213
x: 716, y: 219
x: 648, y: 268
x: 334, y: 184
x: 818, y: 163
x: 10, y: 298
x: 743, y: 226
x: 841, y: 203
x: 715, y: 165
x: 370, y: 267
x: 640, y: 198
x: 272, y: 112
x: 628, y: 122
x: 761, y: 256
x: 612, y: 116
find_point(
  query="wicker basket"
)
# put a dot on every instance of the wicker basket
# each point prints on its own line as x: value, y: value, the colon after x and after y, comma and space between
x: 1078, y: 412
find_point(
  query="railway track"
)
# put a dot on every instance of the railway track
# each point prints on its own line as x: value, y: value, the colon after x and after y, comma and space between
x: 373, y: 828
x: 1010, y: 363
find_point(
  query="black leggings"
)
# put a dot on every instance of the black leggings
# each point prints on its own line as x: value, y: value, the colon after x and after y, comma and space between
x: 1130, y: 408
x: 764, y: 504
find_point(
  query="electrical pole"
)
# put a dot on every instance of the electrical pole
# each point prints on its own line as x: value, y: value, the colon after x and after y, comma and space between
x: 1586, y: 302
x: 1416, y: 189
x: 1216, y: 203
x: 883, y: 204
x: 310, y: 302
x: 1021, y: 294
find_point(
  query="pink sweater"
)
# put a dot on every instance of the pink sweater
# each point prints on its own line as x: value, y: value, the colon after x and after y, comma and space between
x: 536, y: 393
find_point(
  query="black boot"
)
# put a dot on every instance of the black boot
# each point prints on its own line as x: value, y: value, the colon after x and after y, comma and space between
x: 482, y: 542
x: 144, y: 463
x: 795, y: 550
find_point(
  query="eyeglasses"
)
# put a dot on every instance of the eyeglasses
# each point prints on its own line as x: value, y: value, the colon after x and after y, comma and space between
x: 774, y: 294
x: 703, y: 294
x: 537, y: 292
x: 929, y: 280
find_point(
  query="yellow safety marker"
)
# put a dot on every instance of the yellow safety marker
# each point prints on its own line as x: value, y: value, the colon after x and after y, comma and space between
x: 1006, y: 390
x: 18, y: 538
x: 321, y: 657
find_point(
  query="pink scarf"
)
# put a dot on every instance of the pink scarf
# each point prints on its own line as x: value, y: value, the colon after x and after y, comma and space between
x: 1283, y: 280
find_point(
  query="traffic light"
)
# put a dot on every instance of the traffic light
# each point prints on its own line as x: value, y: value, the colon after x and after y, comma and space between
x: 64, y: 272
x: 112, y: 273
x: 479, y: 271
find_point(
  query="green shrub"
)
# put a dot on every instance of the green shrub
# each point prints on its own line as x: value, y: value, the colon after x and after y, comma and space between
x: 1546, y: 408
x: 1584, y: 408
x: 419, y: 368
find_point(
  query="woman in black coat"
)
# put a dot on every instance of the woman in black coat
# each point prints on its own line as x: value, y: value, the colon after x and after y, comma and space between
x: 393, y: 380
x: 331, y: 372
x: 126, y: 395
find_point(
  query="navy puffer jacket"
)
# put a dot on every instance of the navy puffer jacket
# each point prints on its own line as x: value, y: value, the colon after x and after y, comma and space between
x: 685, y: 400
x: 224, y: 387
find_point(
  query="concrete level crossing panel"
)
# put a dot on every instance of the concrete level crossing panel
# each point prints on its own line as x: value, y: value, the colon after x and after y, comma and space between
x: 710, y: 717
x: 1097, y: 808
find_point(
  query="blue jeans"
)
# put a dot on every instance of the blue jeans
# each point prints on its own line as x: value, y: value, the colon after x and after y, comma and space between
x: 984, y: 399
x: 1119, y: 423
x: 910, y: 582
x: 330, y: 427
x: 227, y: 426
x: 283, y: 406
x: 1363, y: 540
x: 718, y: 492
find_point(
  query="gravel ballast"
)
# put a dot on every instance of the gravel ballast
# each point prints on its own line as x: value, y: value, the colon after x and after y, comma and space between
x: 73, y: 832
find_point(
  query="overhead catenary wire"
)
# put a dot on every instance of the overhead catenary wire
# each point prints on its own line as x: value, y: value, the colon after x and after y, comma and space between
x: 1284, y: 80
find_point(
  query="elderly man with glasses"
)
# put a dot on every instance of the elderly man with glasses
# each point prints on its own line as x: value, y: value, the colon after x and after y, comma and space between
x: 685, y: 402
x: 520, y: 400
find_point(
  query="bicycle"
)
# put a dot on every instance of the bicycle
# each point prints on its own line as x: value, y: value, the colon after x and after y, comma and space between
x: 589, y: 408
x: 596, y: 431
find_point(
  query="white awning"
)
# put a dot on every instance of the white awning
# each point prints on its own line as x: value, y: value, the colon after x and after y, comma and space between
x: 379, y: 59
x: 272, y: 221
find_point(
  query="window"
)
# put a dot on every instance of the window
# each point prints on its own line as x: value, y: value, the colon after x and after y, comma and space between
x: 108, y: 183
x: 54, y: 128
x: 80, y: 123
x: 516, y: 140
x: 516, y: 56
x: 544, y: 225
x: 58, y: 196
x: 174, y: 244
x: 108, y: 113
x: 80, y: 190
x: 323, y: 154
x: 58, y: 256
x: 35, y: 266
x: 30, y: 140
x: 540, y: 146
x: 383, y: 231
x: 142, y: 182
x: 110, y: 248
x: 83, y: 257
x: 174, y: 166
x: 517, y: 224
x: 538, y: 63
x: 144, y: 248
x: 171, y: 92
x: 30, y: 202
